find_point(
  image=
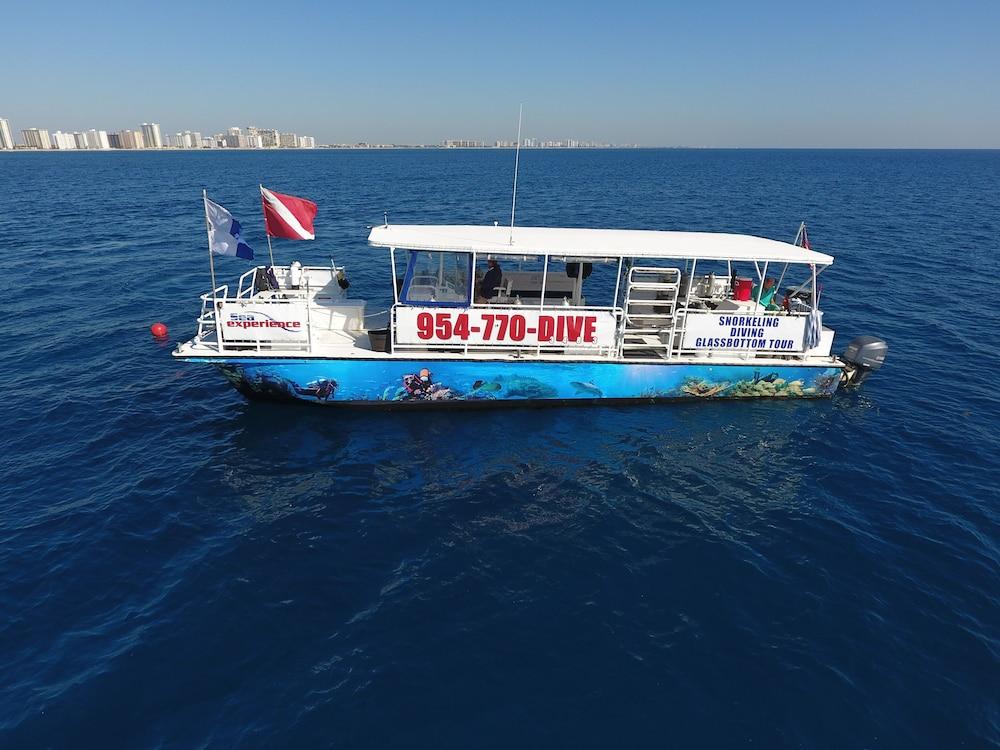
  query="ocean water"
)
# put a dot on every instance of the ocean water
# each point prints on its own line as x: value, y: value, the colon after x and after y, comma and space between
x: 180, y: 568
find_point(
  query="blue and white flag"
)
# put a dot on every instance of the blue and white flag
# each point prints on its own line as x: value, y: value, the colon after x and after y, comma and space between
x: 225, y: 233
x: 814, y: 328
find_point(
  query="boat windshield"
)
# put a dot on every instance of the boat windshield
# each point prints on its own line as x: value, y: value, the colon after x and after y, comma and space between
x: 435, y: 278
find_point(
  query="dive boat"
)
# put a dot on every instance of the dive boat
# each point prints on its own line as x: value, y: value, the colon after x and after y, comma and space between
x: 491, y: 315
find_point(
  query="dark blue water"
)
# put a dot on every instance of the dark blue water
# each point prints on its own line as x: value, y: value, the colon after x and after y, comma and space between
x: 179, y: 568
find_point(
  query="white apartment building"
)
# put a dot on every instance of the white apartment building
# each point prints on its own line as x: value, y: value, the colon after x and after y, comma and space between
x: 288, y: 140
x: 187, y: 139
x: 307, y: 141
x: 269, y: 138
x: 6, y: 137
x: 151, y: 135
x: 80, y: 139
x: 234, y: 139
x: 36, y: 138
x: 63, y: 141
x: 98, y: 139
x: 132, y: 139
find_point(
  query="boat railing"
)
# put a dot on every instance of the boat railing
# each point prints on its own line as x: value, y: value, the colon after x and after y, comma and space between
x: 255, y: 323
x: 247, y: 283
x: 319, y: 284
x: 207, y: 320
x: 650, y: 310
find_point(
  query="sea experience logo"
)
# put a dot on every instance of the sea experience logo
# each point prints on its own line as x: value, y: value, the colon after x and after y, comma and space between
x: 260, y: 320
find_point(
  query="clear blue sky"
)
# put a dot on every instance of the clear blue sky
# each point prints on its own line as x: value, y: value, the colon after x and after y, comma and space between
x: 707, y: 73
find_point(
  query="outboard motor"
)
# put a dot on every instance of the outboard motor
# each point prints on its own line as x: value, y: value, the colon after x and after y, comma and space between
x: 863, y: 356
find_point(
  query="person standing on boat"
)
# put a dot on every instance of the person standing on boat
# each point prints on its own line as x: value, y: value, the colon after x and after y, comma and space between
x: 766, y: 295
x: 491, y: 280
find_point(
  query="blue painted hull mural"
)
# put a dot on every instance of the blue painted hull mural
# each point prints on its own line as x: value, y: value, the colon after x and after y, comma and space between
x: 401, y: 381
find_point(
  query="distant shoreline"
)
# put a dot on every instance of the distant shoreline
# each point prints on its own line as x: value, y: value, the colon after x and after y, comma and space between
x: 487, y: 148
x: 339, y: 148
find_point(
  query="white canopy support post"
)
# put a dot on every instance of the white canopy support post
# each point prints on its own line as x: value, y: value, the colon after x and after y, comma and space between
x: 760, y: 286
x: 392, y: 263
x: 815, y: 301
x: 475, y: 283
x: 781, y: 278
x: 545, y: 279
x: 618, y: 282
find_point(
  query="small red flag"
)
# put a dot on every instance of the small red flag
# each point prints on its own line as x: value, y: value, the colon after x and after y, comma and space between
x: 288, y: 216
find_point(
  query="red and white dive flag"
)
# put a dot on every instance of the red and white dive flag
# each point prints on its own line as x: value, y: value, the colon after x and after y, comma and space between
x: 287, y: 216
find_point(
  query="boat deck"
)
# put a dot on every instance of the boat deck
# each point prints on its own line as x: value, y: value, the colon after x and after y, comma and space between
x: 348, y: 345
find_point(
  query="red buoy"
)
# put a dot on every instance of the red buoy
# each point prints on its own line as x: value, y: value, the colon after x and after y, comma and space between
x: 158, y: 329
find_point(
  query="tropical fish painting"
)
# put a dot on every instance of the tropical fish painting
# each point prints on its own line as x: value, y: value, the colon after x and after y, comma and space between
x: 440, y: 381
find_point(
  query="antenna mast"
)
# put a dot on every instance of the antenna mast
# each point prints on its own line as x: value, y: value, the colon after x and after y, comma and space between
x: 517, y: 156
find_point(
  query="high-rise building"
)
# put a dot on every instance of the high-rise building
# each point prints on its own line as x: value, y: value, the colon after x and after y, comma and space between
x: 131, y: 139
x: 6, y: 138
x: 288, y: 140
x: 98, y: 139
x: 269, y: 138
x: 187, y: 139
x: 254, y: 137
x: 115, y: 140
x: 463, y: 143
x: 81, y: 140
x: 63, y: 141
x: 307, y: 141
x: 151, y: 136
x: 36, y: 138
x: 235, y: 139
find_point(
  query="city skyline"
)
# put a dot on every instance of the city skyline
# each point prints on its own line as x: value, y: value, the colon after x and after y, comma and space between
x: 148, y: 136
x: 716, y: 74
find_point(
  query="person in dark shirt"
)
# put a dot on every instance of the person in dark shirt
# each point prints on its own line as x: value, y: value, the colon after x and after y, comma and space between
x: 491, y: 280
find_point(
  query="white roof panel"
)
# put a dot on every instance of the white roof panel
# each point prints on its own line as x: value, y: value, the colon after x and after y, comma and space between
x: 596, y: 243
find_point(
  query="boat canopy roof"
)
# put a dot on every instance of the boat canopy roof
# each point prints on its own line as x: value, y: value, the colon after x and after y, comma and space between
x: 592, y: 243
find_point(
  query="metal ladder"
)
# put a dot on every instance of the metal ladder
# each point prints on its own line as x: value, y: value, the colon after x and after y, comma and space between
x: 650, y: 309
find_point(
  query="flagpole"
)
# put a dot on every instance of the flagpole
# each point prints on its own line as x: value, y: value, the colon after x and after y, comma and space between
x: 208, y: 231
x: 269, y: 250
x: 517, y: 156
